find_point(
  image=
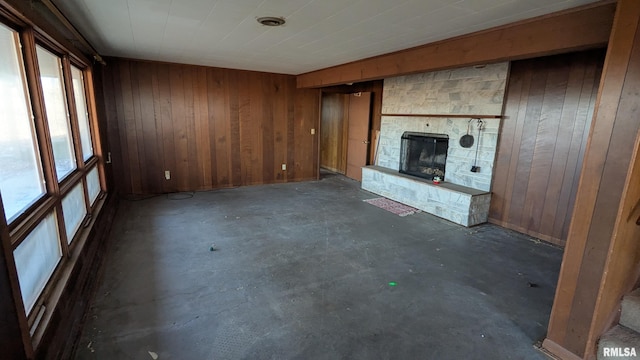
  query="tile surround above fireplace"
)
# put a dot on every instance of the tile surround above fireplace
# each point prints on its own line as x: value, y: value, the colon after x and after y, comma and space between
x: 459, y: 159
x: 472, y: 91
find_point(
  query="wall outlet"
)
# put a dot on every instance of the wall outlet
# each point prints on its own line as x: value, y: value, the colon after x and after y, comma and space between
x: 313, y: 131
x: 167, y: 175
x: 284, y: 166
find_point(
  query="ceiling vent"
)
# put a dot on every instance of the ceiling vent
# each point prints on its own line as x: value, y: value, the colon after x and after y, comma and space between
x: 271, y: 20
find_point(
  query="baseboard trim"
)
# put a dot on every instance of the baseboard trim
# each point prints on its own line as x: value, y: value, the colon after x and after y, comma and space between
x: 556, y: 351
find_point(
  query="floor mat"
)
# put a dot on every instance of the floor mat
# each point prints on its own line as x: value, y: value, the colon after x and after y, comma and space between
x: 392, y: 206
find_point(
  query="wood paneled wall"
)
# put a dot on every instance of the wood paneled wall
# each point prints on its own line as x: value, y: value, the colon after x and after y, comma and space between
x: 334, y: 125
x: 209, y: 127
x: 600, y: 259
x: 548, y: 110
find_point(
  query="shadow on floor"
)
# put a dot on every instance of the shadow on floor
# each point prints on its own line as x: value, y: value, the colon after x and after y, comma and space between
x: 310, y: 271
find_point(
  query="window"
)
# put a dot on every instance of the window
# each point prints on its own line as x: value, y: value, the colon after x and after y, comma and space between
x: 21, y: 179
x: 36, y: 259
x: 93, y: 184
x: 56, y: 106
x: 74, y: 210
x: 83, y: 113
x: 50, y: 168
x: 49, y: 171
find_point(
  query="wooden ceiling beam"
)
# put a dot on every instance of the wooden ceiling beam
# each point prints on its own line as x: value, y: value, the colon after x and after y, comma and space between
x: 575, y: 29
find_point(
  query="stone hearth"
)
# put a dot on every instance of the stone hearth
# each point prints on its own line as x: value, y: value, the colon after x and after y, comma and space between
x: 456, y: 203
x: 465, y: 196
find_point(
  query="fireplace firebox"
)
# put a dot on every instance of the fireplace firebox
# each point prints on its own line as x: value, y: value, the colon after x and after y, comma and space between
x: 423, y: 154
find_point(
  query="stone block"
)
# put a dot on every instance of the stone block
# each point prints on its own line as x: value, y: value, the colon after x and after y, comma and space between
x: 466, y: 207
x: 458, y: 91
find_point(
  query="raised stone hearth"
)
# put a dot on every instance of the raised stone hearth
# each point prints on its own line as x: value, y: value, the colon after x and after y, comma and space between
x: 459, y: 204
x: 423, y: 103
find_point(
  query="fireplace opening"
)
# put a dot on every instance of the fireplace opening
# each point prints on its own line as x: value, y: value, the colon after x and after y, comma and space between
x: 423, y: 154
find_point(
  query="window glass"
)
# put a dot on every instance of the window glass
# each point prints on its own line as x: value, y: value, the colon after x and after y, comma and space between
x: 57, y: 115
x: 21, y: 180
x: 36, y: 259
x: 83, y: 113
x: 74, y: 210
x: 93, y: 184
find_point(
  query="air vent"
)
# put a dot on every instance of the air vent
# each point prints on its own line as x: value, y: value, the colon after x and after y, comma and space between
x: 271, y: 20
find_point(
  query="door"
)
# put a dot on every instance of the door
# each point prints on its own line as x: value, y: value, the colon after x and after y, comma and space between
x: 358, y: 134
x: 333, y: 132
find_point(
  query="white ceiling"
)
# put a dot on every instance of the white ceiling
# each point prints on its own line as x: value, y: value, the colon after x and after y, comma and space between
x: 318, y: 33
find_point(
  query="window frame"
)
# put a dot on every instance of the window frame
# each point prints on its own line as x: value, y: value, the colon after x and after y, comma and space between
x: 29, y: 94
x: 34, y: 323
x: 69, y: 104
x: 85, y: 85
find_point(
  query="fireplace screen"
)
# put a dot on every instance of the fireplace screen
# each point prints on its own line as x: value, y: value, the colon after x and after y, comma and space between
x: 423, y: 154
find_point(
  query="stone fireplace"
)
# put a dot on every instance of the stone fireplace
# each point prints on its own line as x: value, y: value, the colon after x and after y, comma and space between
x: 423, y: 154
x: 423, y: 118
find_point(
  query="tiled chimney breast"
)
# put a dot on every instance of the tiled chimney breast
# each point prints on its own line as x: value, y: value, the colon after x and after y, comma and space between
x: 465, y: 91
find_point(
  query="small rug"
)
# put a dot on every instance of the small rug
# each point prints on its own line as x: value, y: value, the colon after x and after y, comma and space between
x: 392, y: 206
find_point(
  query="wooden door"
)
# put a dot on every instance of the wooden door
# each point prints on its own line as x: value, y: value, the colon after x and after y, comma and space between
x: 333, y: 132
x: 358, y: 134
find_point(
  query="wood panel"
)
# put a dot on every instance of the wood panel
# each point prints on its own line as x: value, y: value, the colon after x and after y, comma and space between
x: 307, y: 113
x: 622, y: 266
x: 209, y: 127
x: 333, y: 132
x: 571, y: 30
x: 601, y: 252
x: 373, y: 87
x: 358, y: 143
x: 548, y: 109
x: 40, y: 17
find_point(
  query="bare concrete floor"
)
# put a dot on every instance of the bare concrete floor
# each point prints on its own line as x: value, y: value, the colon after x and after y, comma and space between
x: 303, y: 271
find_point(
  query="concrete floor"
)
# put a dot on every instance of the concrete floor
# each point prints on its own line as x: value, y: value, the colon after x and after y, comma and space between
x: 302, y: 271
